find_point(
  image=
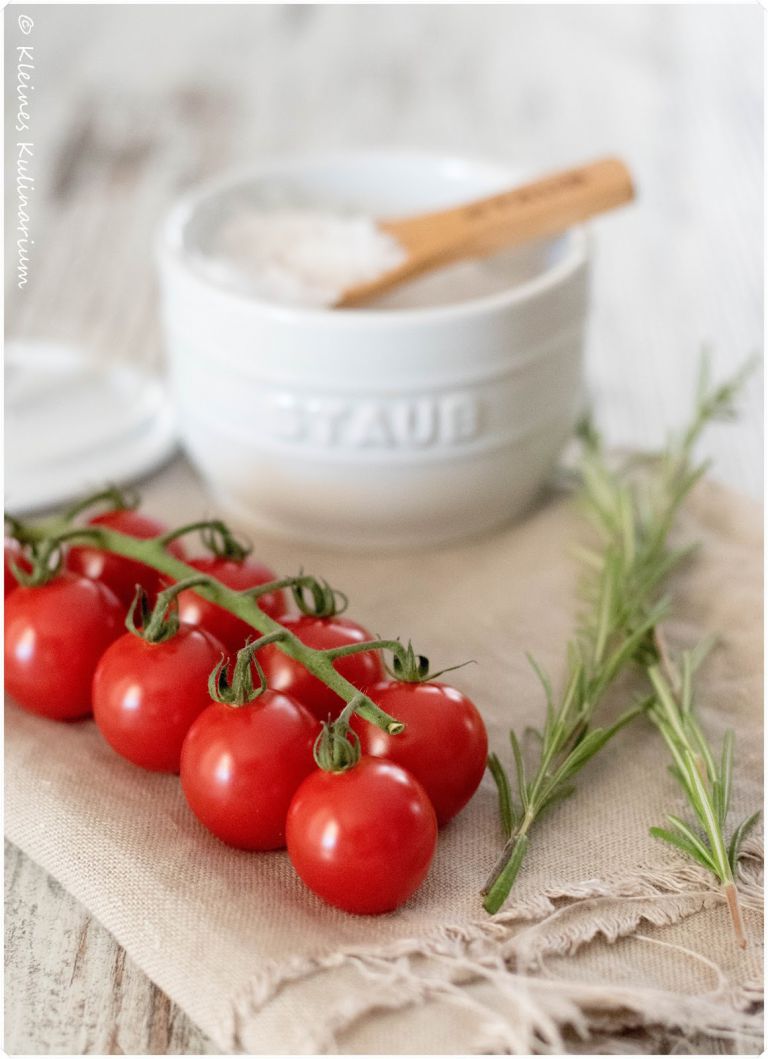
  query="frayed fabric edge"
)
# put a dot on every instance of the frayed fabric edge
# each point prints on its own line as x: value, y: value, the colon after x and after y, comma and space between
x: 536, y: 1010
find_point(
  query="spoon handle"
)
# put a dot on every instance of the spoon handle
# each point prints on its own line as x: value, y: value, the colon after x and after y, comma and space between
x: 545, y: 206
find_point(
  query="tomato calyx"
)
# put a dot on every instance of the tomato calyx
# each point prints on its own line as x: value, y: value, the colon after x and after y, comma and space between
x: 240, y: 689
x: 161, y: 622
x: 316, y: 598
x: 221, y: 542
x: 217, y: 538
x: 407, y: 666
x: 40, y: 560
x: 411, y: 668
x: 43, y: 562
x: 337, y: 748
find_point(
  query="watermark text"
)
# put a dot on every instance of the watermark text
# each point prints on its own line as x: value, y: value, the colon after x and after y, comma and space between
x: 25, y: 150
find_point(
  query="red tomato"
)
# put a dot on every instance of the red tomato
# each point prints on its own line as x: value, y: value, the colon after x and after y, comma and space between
x: 231, y: 630
x: 285, y: 674
x: 12, y: 551
x: 241, y: 765
x: 146, y: 695
x: 120, y: 574
x: 54, y: 637
x: 362, y: 839
x: 444, y: 745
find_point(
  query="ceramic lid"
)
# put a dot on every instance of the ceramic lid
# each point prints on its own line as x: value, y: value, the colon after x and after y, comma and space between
x: 74, y: 424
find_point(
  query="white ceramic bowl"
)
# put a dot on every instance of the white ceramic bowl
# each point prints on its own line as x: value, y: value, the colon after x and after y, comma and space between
x: 372, y: 429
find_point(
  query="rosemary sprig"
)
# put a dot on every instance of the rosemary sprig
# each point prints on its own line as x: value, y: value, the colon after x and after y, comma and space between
x: 633, y: 508
x: 705, y: 782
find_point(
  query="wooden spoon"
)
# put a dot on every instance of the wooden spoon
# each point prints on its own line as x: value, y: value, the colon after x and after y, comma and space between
x: 544, y: 207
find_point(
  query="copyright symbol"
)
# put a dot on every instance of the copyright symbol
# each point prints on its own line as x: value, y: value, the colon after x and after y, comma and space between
x: 25, y: 24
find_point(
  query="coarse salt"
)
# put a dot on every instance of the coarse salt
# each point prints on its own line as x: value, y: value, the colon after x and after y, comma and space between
x: 299, y: 256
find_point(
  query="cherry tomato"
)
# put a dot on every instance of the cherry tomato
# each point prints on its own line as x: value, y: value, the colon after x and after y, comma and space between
x: 231, y: 630
x: 444, y: 745
x: 146, y: 695
x: 54, y: 637
x: 241, y: 765
x: 285, y: 674
x: 362, y: 839
x: 12, y: 550
x: 120, y: 574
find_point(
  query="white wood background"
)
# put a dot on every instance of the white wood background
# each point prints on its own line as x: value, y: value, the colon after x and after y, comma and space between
x: 133, y: 103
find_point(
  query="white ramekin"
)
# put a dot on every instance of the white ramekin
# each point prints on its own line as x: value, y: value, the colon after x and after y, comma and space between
x: 373, y: 429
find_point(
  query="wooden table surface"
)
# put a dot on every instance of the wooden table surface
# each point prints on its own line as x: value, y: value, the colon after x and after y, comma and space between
x: 134, y: 103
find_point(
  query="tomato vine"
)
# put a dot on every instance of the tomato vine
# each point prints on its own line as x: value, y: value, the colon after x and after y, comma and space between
x: 46, y: 540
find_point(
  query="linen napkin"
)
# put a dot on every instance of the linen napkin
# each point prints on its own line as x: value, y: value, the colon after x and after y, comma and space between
x: 606, y: 931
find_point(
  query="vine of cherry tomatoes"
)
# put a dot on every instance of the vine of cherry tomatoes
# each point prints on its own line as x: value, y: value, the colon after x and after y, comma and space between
x: 262, y: 763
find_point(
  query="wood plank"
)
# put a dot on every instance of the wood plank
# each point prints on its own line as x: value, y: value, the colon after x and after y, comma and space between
x: 70, y: 988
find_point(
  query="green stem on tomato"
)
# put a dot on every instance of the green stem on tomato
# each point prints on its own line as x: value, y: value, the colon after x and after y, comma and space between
x: 120, y: 500
x: 394, y: 646
x: 217, y: 537
x: 191, y: 527
x: 152, y: 553
x: 268, y: 586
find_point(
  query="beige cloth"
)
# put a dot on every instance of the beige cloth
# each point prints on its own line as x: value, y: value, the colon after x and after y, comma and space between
x: 607, y: 930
